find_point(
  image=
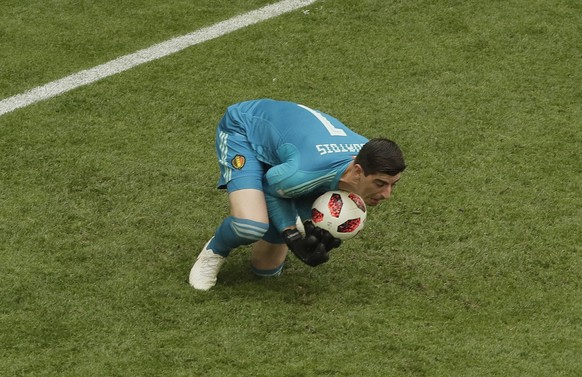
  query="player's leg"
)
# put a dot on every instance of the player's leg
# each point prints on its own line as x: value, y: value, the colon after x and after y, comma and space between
x: 269, y: 254
x: 247, y: 223
x: 268, y: 259
x: 241, y: 174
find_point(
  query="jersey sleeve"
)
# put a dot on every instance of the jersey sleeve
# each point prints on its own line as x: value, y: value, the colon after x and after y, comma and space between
x: 289, y: 154
x: 282, y: 211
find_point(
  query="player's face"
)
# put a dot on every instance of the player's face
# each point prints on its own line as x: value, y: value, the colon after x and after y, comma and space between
x: 374, y: 188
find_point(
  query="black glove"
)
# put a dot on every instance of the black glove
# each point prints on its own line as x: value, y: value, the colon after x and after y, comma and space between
x: 321, y: 236
x: 309, y: 250
x: 313, y: 249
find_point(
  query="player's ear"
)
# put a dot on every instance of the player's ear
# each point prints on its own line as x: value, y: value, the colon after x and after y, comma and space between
x: 358, y: 170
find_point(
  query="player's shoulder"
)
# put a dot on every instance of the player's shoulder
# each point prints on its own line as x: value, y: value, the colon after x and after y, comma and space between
x: 262, y: 106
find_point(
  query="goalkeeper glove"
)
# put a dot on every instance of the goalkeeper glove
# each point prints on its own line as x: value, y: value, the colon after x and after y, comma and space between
x: 313, y: 249
x: 322, y: 236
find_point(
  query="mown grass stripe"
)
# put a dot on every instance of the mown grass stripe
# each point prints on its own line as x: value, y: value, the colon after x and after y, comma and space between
x: 149, y: 54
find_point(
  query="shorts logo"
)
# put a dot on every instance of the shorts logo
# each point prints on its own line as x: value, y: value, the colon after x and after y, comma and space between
x: 238, y: 161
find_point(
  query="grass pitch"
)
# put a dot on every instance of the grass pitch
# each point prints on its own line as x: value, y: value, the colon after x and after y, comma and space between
x: 107, y: 192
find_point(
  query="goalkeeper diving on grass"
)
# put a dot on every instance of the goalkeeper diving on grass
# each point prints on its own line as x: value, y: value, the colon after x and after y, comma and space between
x: 276, y: 158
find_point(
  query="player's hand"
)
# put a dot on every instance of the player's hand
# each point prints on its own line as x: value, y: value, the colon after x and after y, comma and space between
x: 316, y: 234
x: 309, y: 249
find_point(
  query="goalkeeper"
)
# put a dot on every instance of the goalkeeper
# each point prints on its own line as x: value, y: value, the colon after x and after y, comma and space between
x: 275, y: 159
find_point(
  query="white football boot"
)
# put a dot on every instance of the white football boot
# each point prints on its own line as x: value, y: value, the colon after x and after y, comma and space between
x: 203, y: 273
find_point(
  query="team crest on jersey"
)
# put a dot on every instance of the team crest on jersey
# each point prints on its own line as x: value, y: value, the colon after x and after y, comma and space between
x: 238, y: 161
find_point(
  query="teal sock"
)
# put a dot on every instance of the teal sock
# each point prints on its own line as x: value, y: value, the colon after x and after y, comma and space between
x: 268, y: 273
x: 235, y: 232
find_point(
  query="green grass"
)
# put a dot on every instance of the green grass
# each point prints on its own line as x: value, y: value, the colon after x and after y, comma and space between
x: 107, y: 192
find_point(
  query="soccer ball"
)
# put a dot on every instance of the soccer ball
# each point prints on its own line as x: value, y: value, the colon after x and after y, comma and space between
x: 341, y: 213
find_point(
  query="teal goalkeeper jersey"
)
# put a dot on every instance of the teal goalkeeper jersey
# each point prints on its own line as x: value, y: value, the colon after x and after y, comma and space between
x: 306, y: 152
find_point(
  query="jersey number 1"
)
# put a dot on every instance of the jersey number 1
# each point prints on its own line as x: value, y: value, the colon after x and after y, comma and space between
x: 333, y: 131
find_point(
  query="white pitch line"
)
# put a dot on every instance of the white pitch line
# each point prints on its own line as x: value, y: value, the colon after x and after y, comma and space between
x: 154, y: 52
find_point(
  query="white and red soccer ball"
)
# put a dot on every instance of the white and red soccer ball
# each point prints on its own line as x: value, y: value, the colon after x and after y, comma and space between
x: 341, y: 213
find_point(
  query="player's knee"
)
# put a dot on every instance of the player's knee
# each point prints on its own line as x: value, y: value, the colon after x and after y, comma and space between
x: 248, y: 231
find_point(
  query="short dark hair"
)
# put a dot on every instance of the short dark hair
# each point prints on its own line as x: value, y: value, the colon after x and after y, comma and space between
x: 381, y: 155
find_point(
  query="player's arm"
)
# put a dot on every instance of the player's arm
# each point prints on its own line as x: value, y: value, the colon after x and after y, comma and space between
x: 311, y: 249
x: 283, y: 215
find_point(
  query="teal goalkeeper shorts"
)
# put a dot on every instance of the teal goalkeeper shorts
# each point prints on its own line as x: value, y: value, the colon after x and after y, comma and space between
x: 239, y: 166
